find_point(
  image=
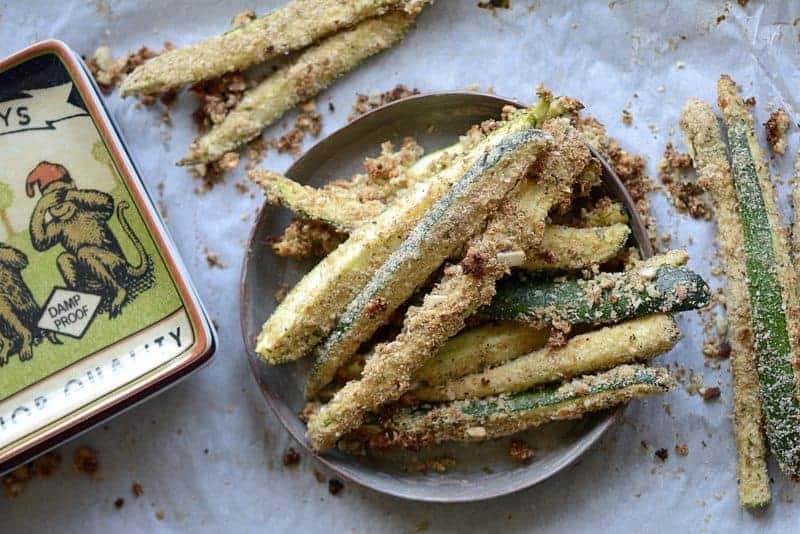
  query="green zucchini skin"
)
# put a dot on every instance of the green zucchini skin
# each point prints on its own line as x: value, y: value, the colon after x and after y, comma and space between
x: 673, y: 289
x: 769, y: 311
x: 412, y: 263
x: 503, y: 415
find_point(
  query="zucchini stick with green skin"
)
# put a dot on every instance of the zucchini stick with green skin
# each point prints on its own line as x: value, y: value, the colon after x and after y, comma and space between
x: 629, y: 342
x: 704, y: 139
x: 445, y: 228
x: 656, y: 285
x: 296, y: 25
x: 516, y: 226
x: 311, y: 309
x: 313, y: 71
x: 504, y: 415
x: 770, y: 281
x: 565, y: 248
x: 562, y: 247
x: 480, y: 347
x: 323, y: 204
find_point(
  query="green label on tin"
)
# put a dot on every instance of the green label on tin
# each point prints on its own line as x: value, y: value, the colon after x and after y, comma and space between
x: 80, y: 272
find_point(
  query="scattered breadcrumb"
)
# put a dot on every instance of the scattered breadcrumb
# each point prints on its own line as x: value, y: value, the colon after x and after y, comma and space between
x: 365, y: 103
x: 662, y: 454
x: 686, y: 195
x: 291, y: 457
x: 241, y: 19
x: 493, y: 4
x: 213, y: 260
x: 335, y: 486
x: 710, y: 393
x: 439, y: 465
x: 776, y: 127
x: 520, y: 451
x: 159, y: 515
x: 84, y: 460
x: 306, y: 238
x: 42, y: 467
x: 119, y: 503
x: 682, y: 449
x: 627, y: 117
x: 109, y: 72
x: 137, y: 490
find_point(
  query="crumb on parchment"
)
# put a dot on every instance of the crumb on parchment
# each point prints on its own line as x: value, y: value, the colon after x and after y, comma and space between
x: 365, y: 103
x: 662, y: 454
x: 44, y: 466
x: 776, y: 128
x: 335, y: 486
x: 137, y: 490
x: 290, y: 457
x: 682, y: 449
x: 84, y: 460
x: 213, y: 260
x: 687, y: 195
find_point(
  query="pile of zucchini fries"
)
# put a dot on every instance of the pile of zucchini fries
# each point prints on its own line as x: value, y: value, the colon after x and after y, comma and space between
x: 761, y: 289
x: 498, y: 319
x: 331, y: 38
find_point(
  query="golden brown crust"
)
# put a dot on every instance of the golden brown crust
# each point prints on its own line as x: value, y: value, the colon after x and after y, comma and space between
x: 776, y: 127
x: 389, y: 373
x: 709, y: 153
x: 311, y: 72
x: 292, y: 27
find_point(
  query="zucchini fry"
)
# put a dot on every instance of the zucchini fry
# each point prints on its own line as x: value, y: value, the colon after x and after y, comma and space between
x: 565, y: 248
x: 605, y: 213
x: 629, y: 342
x: 704, y: 139
x: 656, y: 285
x: 562, y: 247
x: 504, y: 415
x: 295, y: 26
x: 770, y: 281
x: 311, y: 309
x: 446, y: 227
x: 336, y: 208
x: 516, y: 227
x: 313, y: 71
x: 480, y: 347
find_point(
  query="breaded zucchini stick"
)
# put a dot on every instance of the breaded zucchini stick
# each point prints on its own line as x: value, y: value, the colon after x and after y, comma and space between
x: 771, y: 282
x: 480, y: 347
x: 292, y: 27
x: 311, y: 309
x: 327, y: 205
x: 565, y: 248
x: 562, y: 247
x: 516, y: 227
x: 633, y: 341
x: 446, y: 227
x: 656, y: 285
x: 314, y: 70
x: 704, y: 139
x: 504, y: 415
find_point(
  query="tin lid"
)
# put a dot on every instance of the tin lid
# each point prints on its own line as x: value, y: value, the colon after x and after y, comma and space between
x: 96, y: 309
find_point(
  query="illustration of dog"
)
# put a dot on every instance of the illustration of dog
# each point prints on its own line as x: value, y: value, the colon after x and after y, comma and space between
x: 77, y: 219
x: 19, y: 312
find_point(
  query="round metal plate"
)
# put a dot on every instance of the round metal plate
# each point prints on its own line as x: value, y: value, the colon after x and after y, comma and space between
x: 482, y: 470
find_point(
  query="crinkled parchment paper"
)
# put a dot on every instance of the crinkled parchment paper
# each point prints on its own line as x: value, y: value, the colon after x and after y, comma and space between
x: 208, y: 454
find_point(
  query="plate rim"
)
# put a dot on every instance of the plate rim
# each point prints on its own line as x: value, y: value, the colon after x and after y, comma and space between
x: 272, y: 399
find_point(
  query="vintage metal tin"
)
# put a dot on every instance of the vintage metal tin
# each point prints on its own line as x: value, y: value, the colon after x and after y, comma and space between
x: 96, y: 309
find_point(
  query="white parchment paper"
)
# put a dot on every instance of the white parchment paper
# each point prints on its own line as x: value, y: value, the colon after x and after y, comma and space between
x: 208, y: 454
